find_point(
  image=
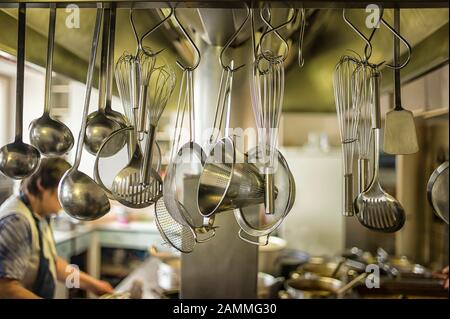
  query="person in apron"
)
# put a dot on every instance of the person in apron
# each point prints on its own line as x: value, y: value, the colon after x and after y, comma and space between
x: 29, y: 264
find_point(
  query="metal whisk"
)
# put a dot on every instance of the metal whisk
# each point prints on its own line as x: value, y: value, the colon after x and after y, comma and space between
x: 160, y: 89
x: 125, y: 83
x: 348, y: 115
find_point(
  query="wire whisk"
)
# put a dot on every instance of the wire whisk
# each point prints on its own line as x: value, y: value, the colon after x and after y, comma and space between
x: 348, y: 112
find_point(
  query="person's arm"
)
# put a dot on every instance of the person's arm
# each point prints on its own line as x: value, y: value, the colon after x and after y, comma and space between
x: 12, y: 289
x: 87, y: 282
x: 15, y: 250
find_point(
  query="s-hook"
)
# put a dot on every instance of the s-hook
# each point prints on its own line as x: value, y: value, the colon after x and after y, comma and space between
x: 230, y: 41
x: 368, y: 47
x: 275, y: 29
x: 192, y: 43
x: 146, y: 34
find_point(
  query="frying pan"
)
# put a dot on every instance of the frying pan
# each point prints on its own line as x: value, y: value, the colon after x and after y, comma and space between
x: 437, y: 191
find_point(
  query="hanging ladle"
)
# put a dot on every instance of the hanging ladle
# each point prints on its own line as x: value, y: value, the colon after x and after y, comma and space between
x: 19, y: 160
x: 103, y: 122
x: 51, y: 137
x: 78, y: 194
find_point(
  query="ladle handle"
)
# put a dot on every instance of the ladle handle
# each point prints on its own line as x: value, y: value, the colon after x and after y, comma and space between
x: 104, y: 60
x: 376, y: 116
x: 110, y: 61
x: 363, y: 174
x: 376, y: 124
x: 20, y: 71
x: 89, y: 77
x: 49, y: 66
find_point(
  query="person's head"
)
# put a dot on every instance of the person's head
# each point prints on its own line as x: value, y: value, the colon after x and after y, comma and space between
x: 42, y: 186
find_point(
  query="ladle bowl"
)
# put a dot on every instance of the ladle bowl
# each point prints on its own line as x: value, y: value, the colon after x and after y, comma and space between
x: 99, y: 127
x: 19, y: 160
x: 51, y: 137
x: 81, y: 197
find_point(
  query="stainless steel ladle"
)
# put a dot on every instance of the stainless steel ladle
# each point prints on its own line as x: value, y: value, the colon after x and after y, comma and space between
x: 78, y: 194
x: 103, y: 122
x: 17, y: 159
x: 51, y: 137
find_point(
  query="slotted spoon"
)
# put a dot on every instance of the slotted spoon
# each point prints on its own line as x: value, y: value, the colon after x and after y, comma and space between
x: 376, y: 209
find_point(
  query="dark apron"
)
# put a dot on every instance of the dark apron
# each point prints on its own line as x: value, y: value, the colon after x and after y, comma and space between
x: 44, y: 284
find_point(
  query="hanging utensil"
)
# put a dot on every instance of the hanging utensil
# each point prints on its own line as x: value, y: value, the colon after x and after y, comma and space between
x: 109, y: 112
x: 184, y: 168
x: 376, y: 209
x: 145, y: 61
x: 400, y: 135
x: 160, y: 89
x: 79, y: 195
x: 19, y: 160
x: 348, y: 114
x: 51, y: 137
x: 364, y: 99
x: 253, y: 220
x: 99, y: 124
x: 267, y: 86
x: 437, y: 191
x: 138, y: 185
x: 103, y: 164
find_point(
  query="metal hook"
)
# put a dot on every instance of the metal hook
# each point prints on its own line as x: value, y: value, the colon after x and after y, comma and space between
x: 275, y: 29
x: 140, y: 40
x: 405, y: 42
x: 301, y: 59
x: 227, y: 45
x: 197, y: 51
x: 157, y: 25
x: 368, y: 54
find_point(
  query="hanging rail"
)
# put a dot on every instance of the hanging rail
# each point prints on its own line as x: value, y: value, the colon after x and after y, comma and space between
x: 229, y: 3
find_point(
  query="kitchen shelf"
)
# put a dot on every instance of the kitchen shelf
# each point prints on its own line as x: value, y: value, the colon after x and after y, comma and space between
x: 432, y: 114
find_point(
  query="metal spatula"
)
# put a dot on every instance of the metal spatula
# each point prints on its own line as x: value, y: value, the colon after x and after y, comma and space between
x: 400, y: 137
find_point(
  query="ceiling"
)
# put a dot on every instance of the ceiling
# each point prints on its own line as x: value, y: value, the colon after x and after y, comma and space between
x: 308, y: 89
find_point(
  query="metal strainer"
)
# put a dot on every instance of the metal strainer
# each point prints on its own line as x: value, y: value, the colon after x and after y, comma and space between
x: 253, y: 220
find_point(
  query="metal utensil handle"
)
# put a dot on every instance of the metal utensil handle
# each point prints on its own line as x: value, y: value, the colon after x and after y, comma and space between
x: 254, y: 242
x: 376, y: 117
x: 351, y: 284
x: 228, y: 99
x: 20, y: 71
x: 104, y: 60
x: 181, y: 107
x: 49, y: 66
x: 142, y: 108
x: 348, y: 195
x: 110, y: 61
x: 148, y: 154
x: 376, y: 124
x: 397, y: 87
x: 363, y: 174
x: 269, y: 195
x: 90, y: 75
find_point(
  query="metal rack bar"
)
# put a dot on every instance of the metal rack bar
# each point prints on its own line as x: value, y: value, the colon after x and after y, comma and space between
x: 230, y: 3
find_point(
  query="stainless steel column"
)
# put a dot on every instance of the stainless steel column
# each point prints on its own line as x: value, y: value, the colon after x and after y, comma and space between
x: 226, y: 266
